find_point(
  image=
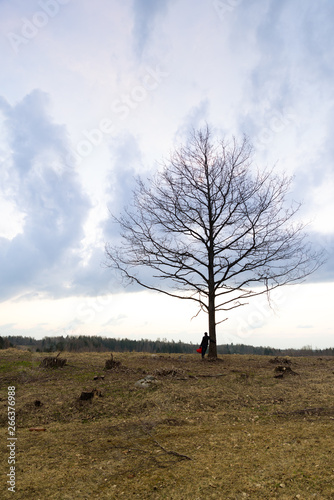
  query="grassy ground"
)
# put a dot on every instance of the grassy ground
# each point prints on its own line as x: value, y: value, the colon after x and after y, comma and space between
x: 225, y: 430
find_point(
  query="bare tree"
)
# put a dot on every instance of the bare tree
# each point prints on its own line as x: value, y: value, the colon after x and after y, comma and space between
x: 212, y: 229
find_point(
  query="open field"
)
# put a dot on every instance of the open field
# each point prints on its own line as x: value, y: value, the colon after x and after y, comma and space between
x: 226, y: 430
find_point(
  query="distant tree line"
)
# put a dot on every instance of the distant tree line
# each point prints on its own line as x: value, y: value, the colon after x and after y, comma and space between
x: 5, y: 343
x: 271, y: 351
x: 85, y: 343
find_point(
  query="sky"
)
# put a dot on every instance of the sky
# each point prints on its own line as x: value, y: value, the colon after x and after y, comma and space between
x: 93, y: 94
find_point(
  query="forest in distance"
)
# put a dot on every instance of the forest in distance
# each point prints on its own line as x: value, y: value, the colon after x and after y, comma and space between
x: 85, y: 343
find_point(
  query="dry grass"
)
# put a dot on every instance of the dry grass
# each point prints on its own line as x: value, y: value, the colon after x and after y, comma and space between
x: 248, y: 434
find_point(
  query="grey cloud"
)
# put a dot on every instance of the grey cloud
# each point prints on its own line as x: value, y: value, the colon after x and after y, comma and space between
x: 31, y: 131
x: 295, y: 44
x: 94, y: 279
x: 145, y: 15
x: 325, y: 244
x: 127, y: 160
x: 42, y: 257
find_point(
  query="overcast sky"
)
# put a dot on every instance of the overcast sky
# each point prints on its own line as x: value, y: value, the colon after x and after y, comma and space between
x: 94, y: 93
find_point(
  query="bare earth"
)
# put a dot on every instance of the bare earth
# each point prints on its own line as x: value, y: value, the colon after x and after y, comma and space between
x: 244, y: 427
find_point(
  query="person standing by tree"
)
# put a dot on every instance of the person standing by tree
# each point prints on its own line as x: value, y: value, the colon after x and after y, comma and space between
x: 204, y: 344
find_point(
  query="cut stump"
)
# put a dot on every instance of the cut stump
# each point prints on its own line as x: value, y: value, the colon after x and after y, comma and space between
x: 53, y: 362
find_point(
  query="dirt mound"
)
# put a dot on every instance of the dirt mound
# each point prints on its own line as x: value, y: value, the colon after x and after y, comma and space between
x: 281, y: 371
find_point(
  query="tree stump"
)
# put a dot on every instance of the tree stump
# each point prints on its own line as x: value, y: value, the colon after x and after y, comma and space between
x: 53, y: 362
x: 110, y: 363
x: 88, y: 395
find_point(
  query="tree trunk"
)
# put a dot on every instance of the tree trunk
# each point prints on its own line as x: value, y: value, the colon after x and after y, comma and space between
x: 211, y: 304
x: 212, y: 327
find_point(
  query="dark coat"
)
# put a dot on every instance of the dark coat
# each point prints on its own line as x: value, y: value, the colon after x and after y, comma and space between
x: 205, y: 342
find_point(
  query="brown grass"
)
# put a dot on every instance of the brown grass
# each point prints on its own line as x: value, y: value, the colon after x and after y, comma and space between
x: 248, y: 435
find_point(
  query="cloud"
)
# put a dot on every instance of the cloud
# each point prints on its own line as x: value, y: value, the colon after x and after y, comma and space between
x: 195, y: 119
x: 294, y: 42
x: 145, y: 15
x: 127, y: 161
x: 41, y: 257
x: 324, y: 243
